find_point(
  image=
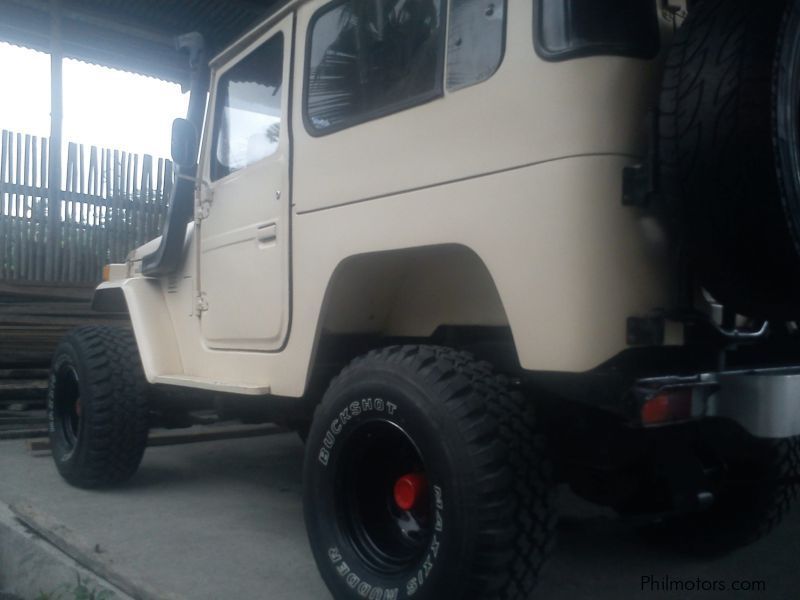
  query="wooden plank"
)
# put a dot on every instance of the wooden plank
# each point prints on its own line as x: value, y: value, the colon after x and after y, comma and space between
x: 116, y: 212
x: 34, y: 210
x: 45, y: 306
x: 23, y: 434
x: 23, y: 389
x: 192, y: 435
x: 3, y: 203
x: 107, y: 213
x: 160, y: 191
x: 12, y: 315
x: 135, y: 223
x: 11, y: 419
x: 83, y: 257
x: 17, y: 224
x: 92, y: 219
x: 127, y: 237
x: 147, y: 194
x: 27, y: 357
x: 84, y: 553
x: 41, y: 248
x: 42, y: 323
x: 24, y: 373
x: 25, y: 223
x: 66, y: 224
x: 60, y: 291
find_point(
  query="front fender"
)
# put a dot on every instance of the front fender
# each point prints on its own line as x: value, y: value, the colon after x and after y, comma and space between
x: 141, y: 297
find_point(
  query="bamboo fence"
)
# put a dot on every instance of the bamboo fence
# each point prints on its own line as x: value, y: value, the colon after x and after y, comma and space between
x: 109, y: 202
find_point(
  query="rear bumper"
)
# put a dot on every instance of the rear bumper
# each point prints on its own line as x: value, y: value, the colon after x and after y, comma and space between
x: 764, y: 402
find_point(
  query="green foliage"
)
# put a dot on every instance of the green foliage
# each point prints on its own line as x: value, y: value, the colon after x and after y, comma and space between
x: 80, y: 590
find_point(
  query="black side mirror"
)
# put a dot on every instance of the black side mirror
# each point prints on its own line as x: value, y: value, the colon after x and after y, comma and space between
x: 184, y: 144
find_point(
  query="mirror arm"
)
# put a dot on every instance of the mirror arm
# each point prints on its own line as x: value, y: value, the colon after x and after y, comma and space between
x: 168, y: 257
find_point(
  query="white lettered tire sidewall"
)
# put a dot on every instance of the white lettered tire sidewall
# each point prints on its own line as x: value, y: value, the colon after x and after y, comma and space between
x: 385, y: 394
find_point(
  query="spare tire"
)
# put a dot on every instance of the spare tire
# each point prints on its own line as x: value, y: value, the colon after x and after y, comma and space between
x: 729, y: 159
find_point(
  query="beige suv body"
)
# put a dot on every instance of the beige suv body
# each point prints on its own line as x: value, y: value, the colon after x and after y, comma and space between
x: 469, y: 250
x: 492, y: 204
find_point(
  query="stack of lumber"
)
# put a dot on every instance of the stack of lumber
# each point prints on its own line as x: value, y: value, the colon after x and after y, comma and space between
x: 33, y: 318
x: 19, y: 386
x: 22, y: 402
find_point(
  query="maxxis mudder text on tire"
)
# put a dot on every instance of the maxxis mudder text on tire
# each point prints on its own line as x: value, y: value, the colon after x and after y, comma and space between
x: 490, y: 504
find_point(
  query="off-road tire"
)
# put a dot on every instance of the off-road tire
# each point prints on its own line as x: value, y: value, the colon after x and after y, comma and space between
x: 99, y: 369
x: 759, y: 487
x: 485, y: 460
x: 719, y: 154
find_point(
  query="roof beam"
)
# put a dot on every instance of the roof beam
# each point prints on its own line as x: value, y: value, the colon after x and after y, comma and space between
x: 94, y: 39
x: 114, y: 25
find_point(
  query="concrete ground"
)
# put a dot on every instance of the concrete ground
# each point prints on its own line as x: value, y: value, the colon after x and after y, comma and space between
x: 223, y: 520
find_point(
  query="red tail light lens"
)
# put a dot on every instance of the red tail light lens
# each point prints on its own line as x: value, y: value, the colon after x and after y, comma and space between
x: 668, y: 406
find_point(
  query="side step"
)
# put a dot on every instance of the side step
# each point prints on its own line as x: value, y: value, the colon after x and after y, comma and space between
x: 213, y: 386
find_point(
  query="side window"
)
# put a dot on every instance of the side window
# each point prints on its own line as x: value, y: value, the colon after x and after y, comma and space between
x: 248, y: 119
x: 369, y: 58
x: 475, y: 41
x: 566, y: 29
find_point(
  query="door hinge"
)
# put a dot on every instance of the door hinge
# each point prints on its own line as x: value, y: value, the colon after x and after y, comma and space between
x: 204, y: 206
x: 640, y: 182
x: 201, y: 303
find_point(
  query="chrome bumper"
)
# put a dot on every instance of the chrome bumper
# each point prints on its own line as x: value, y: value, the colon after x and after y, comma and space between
x: 765, y: 402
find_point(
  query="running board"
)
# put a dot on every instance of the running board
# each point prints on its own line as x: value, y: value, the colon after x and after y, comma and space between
x: 214, y: 386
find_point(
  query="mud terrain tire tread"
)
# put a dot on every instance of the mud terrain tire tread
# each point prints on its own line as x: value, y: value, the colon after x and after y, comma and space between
x: 759, y: 495
x: 516, y: 524
x: 115, y: 404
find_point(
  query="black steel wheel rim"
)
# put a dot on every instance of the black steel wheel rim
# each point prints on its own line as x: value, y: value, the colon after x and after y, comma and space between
x: 67, y: 405
x: 386, y: 537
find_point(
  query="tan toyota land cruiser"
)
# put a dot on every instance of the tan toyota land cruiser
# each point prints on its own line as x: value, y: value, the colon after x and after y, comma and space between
x: 471, y: 250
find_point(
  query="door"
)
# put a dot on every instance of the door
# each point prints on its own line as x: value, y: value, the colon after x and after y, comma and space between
x: 243, y: 279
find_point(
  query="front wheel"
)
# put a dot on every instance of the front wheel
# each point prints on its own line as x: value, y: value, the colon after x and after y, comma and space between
x: 424, y: 477
x: 97, y: 406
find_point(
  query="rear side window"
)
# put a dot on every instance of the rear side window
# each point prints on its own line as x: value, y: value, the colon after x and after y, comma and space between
x: 566, y: 29
x: 475, y: 41
x: 370, y: 58
x: 248, y: 120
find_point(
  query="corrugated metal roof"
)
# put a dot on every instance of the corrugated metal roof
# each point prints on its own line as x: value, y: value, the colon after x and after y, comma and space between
x: 220, y: 21
x: 133, y: 35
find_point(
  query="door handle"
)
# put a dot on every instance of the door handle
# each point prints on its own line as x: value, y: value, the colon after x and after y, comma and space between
x: 266, y: 233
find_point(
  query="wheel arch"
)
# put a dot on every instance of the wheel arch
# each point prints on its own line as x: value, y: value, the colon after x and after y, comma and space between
x: 411, y: 292
x: 377, y: 299
x: 142, y: 299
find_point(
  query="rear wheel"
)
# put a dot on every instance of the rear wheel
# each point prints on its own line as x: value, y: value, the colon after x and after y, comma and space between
x: 425, y: 477
x: 97, y: 406
x: 755, y: 485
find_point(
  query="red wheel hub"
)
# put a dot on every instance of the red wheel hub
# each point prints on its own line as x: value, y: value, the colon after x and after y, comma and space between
x: 409, y: 490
